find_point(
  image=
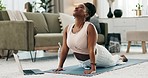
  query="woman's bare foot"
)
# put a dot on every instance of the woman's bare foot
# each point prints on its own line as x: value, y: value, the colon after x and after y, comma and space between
x: 124, y: 58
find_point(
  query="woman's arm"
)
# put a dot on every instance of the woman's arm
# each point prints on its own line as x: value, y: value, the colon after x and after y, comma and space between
x: 92, y: 38
x: 64, y: 50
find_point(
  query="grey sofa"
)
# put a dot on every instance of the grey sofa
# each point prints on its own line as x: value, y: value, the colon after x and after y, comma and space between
x: 42, y: 31
x: 47, y: 29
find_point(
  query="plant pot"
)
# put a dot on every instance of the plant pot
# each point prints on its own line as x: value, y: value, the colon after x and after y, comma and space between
x: 118, y: 13
x: 138, y: 12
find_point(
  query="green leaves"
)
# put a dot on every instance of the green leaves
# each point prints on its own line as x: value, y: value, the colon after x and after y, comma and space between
x: 139, y: 6
x: 2, y: 7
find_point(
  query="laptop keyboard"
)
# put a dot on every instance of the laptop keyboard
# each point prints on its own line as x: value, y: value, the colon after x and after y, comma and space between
x: 28, y: 72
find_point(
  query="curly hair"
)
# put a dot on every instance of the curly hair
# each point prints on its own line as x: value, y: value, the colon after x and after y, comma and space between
x: 91, y: 9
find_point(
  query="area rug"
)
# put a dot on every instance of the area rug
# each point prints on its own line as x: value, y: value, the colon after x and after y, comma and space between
x: 77, y: 70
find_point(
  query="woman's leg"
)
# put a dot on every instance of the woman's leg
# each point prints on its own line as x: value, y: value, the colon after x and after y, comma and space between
x: 104, y: 58
x: 116, y: 59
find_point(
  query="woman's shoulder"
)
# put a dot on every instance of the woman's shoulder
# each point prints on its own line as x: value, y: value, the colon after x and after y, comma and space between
x: 90, y: 25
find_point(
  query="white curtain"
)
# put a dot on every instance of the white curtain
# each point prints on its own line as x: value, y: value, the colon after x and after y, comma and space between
x: 58, y: 6
x: 15, y: 4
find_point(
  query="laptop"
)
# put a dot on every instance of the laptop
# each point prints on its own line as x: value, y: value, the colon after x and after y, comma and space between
x: 26, y: 72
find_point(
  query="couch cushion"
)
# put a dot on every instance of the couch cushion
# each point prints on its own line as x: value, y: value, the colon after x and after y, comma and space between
x: 39, y: 21
x: 52, y: 22
x: 100, y: 39
x: 95, y: 21
x: 4, y: 16
x: 48, y: 39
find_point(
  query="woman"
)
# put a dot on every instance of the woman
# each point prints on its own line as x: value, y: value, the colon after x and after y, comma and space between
x: 81, y: 38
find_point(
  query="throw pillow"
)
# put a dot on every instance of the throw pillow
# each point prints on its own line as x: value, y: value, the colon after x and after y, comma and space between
x: 65, y: 20
x: 95, y: 21
x: 39, y: 21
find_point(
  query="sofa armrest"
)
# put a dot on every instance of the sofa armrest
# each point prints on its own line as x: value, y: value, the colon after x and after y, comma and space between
x: 17, y: 35
x: 104, y: 30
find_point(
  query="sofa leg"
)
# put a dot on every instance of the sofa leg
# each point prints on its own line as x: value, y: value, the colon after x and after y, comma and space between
x: 8, y: 55
x: 31, y: 56
x: 44, y: 50
x: 35, y: 56
x: 33, y: 59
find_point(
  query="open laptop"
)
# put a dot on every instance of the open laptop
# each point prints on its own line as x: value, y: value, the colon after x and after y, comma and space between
x: 26, y: 72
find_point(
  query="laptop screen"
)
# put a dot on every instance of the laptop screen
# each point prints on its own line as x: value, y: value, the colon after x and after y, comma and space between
x: 16, y: 57
x: 26, y: 72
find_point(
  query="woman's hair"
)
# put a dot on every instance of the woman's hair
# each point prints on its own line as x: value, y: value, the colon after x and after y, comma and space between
x: 91, y: 10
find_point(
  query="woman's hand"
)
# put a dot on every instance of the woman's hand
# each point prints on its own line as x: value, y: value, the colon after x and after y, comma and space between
x: 89, y: 71
x: 58, y: 69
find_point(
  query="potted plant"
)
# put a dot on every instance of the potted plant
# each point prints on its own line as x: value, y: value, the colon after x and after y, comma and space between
x: 43, y: 6
x: 139, y: 6
x: 138, y: 10
x: 2, y: 7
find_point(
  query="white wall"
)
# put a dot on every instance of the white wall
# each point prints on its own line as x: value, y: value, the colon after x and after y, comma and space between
x: 102, y: 7
x: 15, y: 4
x: 69, y: 5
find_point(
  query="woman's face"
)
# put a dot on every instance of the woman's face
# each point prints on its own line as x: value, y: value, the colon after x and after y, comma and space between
x: 80, y: 10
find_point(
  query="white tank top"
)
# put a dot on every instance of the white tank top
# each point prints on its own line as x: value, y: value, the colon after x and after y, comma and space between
x: 77, y: 42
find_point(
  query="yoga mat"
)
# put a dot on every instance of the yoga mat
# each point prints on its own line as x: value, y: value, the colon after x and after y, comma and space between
x: 77, y: 70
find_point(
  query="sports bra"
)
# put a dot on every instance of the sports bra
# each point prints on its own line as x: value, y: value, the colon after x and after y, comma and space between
x: 77, y: 42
